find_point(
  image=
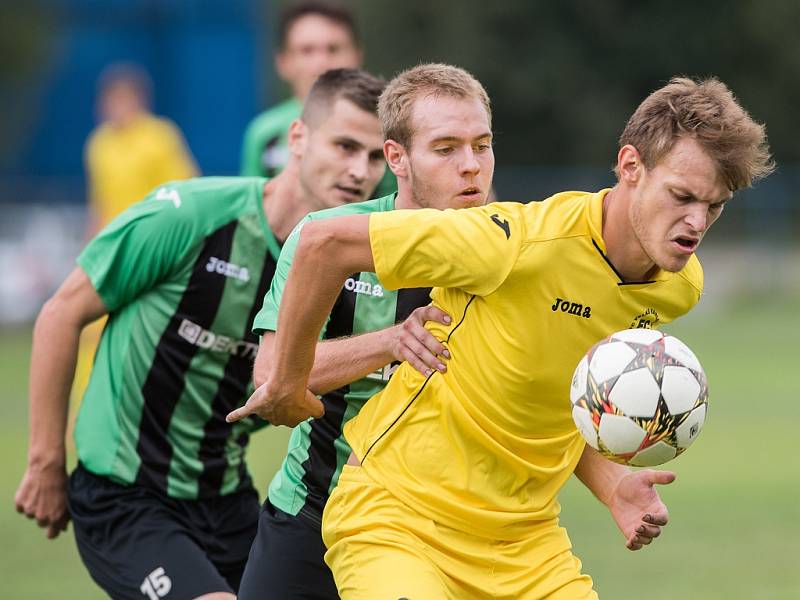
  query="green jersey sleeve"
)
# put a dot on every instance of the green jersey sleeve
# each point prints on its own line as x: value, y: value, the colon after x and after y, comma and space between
x: 139, y: 248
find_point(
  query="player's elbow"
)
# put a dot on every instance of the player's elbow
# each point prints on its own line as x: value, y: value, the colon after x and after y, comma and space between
x: 340, y: 245
x: 316, y: 238
x: 318, y: 242
x: 57, y: 313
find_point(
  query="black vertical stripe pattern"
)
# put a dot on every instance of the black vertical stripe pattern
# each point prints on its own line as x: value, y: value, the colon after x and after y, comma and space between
x: 231, y: 393
x: 322, y: 464
x: 165, y: 381
x: 410, y: 299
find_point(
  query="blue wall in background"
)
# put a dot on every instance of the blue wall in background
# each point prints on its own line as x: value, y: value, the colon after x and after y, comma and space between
x: 205, y: 58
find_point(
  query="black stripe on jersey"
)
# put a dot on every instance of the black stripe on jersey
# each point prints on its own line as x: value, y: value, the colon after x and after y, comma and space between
x: 319, y: 467
x: 231, y: 392
x: 422, y: 387
x: 408, y: 300
x: 617, y: 273
x: 165, y: 381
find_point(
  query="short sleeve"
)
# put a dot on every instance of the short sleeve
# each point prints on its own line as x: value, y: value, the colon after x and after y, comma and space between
x: 140, y: 247
x: 472, y: 249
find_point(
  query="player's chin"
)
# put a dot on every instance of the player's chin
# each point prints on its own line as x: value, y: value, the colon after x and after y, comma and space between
x: 470, y: 200
x: 673, y: 264
x: 349, y: 195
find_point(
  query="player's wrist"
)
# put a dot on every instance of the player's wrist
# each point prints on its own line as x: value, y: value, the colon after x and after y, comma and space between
x: 47, y: 460
x: 390, y: 338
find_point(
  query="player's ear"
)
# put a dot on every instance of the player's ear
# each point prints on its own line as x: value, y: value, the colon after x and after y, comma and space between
x: 298, y: 137
x: 396, y: 158
x: 629, y: 164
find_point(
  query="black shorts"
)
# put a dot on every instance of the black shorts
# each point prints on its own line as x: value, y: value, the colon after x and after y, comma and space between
x: 286, y: 561
x: 138, y: 544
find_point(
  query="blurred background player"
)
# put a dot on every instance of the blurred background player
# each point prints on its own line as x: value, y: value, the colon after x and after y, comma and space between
x: 313, y: 37
x: 452, y: 488
x: 129, y: 153
x: 362, y: 344
x: 162, y: 500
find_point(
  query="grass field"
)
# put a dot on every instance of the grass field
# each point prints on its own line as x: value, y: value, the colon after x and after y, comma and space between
x: 735, y: 508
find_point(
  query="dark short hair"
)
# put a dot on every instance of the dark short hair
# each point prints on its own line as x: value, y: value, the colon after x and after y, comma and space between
x: 355, y: 85
x: 330, y: 9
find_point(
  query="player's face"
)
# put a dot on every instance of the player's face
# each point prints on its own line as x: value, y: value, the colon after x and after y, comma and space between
x: 315, y: 44
x: 675, y: 203
x: 341, y: 157
x: 120, y: 103
x: 450, y: 162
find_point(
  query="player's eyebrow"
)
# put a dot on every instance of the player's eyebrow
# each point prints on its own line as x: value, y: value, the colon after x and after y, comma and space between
x: 348, y: 140
x: 685, y: 192
x: 454, y: 138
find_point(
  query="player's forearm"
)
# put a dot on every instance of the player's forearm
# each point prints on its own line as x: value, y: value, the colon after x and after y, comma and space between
x: 52, y: 367
x: 313, y: 283
x: 599, y: 474
x: 337, y: 362
x: 345, y: 360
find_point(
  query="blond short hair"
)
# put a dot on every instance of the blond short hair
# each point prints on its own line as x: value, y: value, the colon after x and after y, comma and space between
x: 706, y: 111
x: 397, y: 101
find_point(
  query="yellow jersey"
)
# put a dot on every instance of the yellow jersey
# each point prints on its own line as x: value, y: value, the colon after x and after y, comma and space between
x: 486, y: 446
x: 124, y: 164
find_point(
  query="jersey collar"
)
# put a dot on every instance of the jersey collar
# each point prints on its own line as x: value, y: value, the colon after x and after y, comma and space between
x: 258, y: 197
x: 594, y: 218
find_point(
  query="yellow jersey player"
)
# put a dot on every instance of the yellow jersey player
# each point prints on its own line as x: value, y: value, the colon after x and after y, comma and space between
x: 452, y: 490
x: 132, y: 151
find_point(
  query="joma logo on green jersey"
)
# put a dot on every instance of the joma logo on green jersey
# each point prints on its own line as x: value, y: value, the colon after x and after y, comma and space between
x: 363, y: 287
x: 203, y: 338
x: 216, y: 265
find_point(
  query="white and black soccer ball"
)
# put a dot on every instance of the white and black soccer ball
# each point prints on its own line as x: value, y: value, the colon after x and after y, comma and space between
x: 639, y: 397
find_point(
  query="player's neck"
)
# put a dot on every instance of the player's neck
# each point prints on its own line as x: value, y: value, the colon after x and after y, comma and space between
x: 284, y: 204
x: 405, y: 198
x: 623, y: 249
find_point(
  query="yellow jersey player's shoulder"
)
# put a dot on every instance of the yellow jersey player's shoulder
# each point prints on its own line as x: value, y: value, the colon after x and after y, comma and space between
x: 559, y: 216
x: 163, y: 125
x: 693, y: 274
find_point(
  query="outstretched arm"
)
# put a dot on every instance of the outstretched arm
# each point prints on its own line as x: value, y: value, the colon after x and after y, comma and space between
x: 311, y: 289
x: 340, y: 361
x: 629, y: 495
x: 42, y: 493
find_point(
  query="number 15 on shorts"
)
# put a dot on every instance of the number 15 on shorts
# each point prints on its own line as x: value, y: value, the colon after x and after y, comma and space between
x: 156, y: 585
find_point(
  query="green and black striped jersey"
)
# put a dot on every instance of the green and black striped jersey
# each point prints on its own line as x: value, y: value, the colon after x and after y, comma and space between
x: 317, y: 448
x: 182, y: 273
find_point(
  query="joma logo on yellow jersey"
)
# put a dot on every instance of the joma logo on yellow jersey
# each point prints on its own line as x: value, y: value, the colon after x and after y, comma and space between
x: 572, y: 308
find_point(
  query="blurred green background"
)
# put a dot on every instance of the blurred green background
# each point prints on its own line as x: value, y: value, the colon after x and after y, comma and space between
x: 563, y: 77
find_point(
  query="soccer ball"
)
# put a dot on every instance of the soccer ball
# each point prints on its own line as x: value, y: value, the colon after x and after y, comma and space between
x: 639, y: 397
